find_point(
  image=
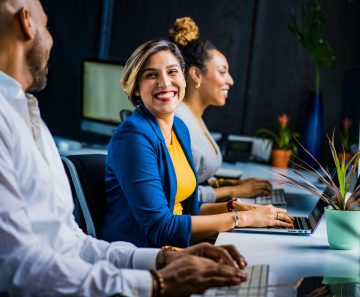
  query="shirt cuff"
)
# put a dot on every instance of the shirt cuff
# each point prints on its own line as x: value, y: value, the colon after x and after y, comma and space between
x: 144, y: 258
x: 207, y: 194
x: 136, y: 283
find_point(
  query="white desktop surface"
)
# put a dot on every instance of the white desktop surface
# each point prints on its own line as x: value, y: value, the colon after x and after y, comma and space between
x: 262, y: 171
x: 292, y: 257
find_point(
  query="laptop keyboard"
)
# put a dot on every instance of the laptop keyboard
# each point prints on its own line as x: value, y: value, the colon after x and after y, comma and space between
x: 278, y: 197
x: 302, y: 223
x: 255, y: 286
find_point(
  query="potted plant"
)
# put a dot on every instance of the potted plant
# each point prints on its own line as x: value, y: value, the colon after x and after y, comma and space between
x: 283, y: 141
x: 342, y: 216
x: 346, y: 140
x: 335, y: 286
x: 308, y: 32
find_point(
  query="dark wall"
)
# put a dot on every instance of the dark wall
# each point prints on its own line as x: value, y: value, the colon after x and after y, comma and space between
x: 74, y: 26
x: 272, y: 72
x: 227, y: 24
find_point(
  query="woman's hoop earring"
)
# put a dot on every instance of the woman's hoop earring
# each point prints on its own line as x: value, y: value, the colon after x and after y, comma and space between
x: 197, y: 86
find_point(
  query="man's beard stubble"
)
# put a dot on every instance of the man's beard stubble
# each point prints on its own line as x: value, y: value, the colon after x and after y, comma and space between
x: 35, y: 59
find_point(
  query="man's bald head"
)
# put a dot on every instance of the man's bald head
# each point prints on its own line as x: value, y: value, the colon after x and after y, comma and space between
x: 25, y: 42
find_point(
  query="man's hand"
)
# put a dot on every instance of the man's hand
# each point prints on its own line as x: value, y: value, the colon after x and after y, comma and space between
x: 227, y: 254
x: 193, y: 275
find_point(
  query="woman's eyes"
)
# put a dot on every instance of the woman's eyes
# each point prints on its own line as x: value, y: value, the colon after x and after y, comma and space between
x: 150, y: 75
x: 154, y: 74
x: 222, y: 72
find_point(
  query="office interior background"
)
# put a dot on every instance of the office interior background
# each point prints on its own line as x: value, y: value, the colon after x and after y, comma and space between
x: 273, y: 73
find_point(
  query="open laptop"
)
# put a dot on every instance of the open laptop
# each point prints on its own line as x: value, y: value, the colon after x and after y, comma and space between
x: 278, y: 196
x: 302, y: 225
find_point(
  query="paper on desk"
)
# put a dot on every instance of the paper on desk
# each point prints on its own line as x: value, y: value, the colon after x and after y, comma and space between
x: 228, y: 173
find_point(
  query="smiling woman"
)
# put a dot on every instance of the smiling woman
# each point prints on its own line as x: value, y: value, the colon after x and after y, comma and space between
x: 152, y: 190
x: 208, y: 83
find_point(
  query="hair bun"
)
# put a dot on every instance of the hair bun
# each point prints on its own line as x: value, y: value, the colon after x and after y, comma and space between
x: 184, y: 31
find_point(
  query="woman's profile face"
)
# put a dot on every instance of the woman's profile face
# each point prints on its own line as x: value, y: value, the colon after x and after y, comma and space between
x: 216, y: 82
x: 161, y: 84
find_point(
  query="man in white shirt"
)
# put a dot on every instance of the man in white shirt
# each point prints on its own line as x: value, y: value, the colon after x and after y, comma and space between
x: 43, y: 252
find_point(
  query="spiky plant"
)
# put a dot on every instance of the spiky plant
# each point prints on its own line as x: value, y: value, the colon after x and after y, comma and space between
x: 337, y: 200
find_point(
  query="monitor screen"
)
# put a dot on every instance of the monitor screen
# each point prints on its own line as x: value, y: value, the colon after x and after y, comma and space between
x: 102, y: 96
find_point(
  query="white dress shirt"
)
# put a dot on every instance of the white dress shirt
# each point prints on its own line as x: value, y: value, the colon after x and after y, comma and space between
x: 43, y: 252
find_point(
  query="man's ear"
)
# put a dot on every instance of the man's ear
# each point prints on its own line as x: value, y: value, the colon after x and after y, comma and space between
x: 27, y: 24
x: 195, y: 74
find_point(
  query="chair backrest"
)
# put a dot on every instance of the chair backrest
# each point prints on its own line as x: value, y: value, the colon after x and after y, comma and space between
x: 78, y: 213
x: 88, y: 177
x: 124, y: 114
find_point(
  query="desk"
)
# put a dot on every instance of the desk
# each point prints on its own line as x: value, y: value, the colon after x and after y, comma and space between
x: 292, y: 257
x: 262, y: 171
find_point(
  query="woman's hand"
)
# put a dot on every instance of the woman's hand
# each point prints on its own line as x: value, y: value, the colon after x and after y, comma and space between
x: 193, y: 275
x: 245, y: 206
x: 265, y: 216
x: 252, y: 187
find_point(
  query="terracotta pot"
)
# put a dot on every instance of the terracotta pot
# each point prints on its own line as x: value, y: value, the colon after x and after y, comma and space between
x: 348, y: 156
x: 280, y: 158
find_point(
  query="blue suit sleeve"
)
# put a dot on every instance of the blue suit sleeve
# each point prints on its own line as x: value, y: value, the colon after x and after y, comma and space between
x: 133, y: 158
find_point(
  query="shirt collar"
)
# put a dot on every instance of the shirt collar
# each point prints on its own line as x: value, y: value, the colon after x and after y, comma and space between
x: 10, y: 88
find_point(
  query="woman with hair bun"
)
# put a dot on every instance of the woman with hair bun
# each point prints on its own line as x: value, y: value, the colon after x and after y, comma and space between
x: 151, y: 180
x: 207, y: 83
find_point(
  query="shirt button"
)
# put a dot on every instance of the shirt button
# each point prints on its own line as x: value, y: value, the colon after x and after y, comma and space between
x: 135, y: 292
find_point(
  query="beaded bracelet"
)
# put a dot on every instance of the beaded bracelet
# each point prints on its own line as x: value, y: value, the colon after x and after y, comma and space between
x: 160, y: 281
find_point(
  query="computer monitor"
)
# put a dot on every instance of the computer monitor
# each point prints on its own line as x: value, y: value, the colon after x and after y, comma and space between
x: 102, y: 96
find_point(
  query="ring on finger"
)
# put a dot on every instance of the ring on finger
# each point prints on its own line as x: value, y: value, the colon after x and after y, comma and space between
x: 277, y: 216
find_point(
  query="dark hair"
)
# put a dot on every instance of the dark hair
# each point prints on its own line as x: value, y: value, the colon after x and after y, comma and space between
x: 194, y: 49
x: 133, y: 66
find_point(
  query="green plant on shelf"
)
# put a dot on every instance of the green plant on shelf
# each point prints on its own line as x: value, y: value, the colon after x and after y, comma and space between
x: 308, y: 33
x: 337, y: 201
x: 284, y: 139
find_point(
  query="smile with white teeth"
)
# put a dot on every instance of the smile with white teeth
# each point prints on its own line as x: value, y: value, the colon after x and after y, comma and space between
x: 165, y: 95
x: 225, y: 92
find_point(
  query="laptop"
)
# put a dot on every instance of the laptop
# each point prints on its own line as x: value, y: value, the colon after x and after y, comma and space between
x: 278, y: 196
x: 302, y: 225
x: 256, y: 285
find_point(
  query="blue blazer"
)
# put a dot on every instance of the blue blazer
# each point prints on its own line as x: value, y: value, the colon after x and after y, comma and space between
x: 141, y: 185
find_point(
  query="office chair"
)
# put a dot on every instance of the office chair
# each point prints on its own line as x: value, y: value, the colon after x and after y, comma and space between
x: 124, y: 114
x: 87, y: 173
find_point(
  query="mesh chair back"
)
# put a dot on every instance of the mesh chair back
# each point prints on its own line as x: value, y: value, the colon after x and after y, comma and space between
x: 91, y: 172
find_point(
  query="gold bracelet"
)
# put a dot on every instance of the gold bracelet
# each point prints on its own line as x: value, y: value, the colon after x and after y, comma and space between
x: 217, y: 183
x: 160, y: 281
